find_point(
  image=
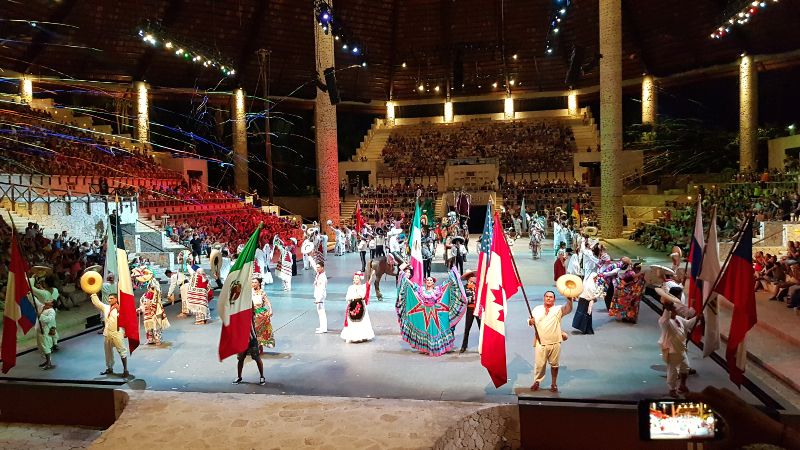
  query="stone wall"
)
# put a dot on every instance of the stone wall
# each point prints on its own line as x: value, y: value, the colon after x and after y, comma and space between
x: 496, y: 427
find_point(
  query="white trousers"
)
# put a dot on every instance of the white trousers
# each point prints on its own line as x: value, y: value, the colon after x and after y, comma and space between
x: 323, y: 318
x: 677, y: 364
x: 113, y: 341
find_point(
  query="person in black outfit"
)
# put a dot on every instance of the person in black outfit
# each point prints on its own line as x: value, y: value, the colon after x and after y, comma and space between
x: 197, y: 247
x: 469, y: 289
x: 255, y: 355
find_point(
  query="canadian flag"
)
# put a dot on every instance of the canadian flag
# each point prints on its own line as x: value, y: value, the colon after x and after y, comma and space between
x: 500, y: 284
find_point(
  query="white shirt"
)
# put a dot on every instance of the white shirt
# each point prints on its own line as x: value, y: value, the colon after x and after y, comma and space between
x: 394, y: 244
x: 574, y: 264
x: 674, y: 331
x: 548, y: 326
x: 110, y: 314
x: 320, y: 287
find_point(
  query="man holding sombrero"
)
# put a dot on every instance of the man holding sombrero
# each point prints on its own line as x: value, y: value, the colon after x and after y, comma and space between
x: 546, y: 322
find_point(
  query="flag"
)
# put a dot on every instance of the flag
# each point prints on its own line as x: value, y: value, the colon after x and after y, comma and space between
x: 576, y: 213
x: 736, y: 285
x: 501, y: 283
x: 111, y: 254
x: 236, y: 302
x: 484, y: 247
x: 128, y: 318
x: 709, y: 273
x: 695, y: 293
x: 415, y: 241
x: 359, y: 218
x: 523, y: 216
x: 20, y: 311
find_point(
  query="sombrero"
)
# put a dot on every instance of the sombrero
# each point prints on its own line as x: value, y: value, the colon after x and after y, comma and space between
x: 666, y: 269
x: 570, y: 286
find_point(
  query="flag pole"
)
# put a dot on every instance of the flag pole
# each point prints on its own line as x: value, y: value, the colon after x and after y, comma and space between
x: 721, y: 272
x: 686, y: 266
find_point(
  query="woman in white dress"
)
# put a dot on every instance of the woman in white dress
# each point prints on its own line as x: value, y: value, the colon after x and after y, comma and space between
x: 357, y: 326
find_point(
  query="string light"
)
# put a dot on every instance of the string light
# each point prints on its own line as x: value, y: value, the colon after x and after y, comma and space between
x: 739, y: 14
x: 330, y: 23
x: 560, y: 9
x: 153, y: 34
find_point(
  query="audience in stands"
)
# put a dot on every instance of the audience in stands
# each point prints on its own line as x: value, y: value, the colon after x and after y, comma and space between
x: 522, y: 146
x: 394, y: 201
x: 35, y: 143
x: 544, y: 197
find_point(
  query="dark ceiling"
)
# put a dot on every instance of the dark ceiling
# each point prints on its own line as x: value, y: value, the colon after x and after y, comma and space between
x: 660, y: 37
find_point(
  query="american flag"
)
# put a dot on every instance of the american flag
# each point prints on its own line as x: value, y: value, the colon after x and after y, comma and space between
x: 484, y: 250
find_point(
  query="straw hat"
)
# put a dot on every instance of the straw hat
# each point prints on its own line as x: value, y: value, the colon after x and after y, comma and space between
x: 570, y: 286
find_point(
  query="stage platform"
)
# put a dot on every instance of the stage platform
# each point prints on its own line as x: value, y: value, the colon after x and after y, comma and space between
x: 620, y: 362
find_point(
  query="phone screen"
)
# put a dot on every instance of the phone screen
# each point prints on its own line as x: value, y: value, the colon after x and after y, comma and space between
x: 680, y: 420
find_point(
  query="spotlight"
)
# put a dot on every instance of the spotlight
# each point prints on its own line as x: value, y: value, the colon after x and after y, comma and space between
x: 404, y: 65
x: 336, y: 38
x: 555, y: 30
x: 33, y: 24
x: 549, y: 51
x: 436, y: 89
x: 421, y: 88
x: 511, y: 82
x: 364, y: 64
x: 179, y: 52
x: 141, y: 32
x: 355, y: 50
x: 168, y: 45
x: 515, y: 56
x: 231, y: 72
x: 326, y: 16
x: 344, y: 47
x: 494, y: 85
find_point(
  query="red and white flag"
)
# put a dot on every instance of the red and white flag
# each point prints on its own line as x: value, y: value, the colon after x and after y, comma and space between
x: 709, y: 273
x: 128, y: 318
x: 500, y: 284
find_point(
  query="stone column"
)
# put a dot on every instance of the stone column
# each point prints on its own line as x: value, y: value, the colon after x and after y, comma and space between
x: 611, y: 118
x: 26, y: 89
x: 572, y: 103
x: 748, y: 114
x: 649, y: 100
x: 327, y: 147
x: 240, y: 161
x: 142, y: 131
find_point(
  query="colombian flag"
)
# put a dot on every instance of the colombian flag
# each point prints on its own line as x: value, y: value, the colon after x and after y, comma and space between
x: 19, y: 307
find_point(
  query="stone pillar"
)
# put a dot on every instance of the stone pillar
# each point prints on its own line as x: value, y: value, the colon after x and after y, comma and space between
x: 142, y: 131
x: 448, y: 111
x: 611, y: 118
x: 240, y: 160
x: 327, y: 147
x: 26, y: 89
x: 389, y: 113
x: 748, y: 114
x: 572, y: 103
x: 508, y: 107
x: 649, y: 100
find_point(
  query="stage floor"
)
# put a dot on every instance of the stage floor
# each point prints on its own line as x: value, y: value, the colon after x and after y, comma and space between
x: 619, y: 362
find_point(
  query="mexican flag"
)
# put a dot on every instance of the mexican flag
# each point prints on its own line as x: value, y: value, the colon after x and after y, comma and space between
x: 128, y: 315
x: 236, y: 302
x: 416, y: 247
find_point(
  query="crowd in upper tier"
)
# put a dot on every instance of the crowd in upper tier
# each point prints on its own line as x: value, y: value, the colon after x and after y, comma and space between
x: 522, y: 146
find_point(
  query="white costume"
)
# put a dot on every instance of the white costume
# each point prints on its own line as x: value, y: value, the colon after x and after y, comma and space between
x: 673, y: 345
x: 320, y: 292
x: 357, y: 330
x: 113, y: 337
x: 338, y: 248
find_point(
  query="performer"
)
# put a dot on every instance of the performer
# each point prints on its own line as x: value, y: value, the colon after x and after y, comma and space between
x: 320, y: 292
x: 199, y: 294
x: 583, y: 314
x: 676, y: 256
x: 263, y: 315
x: 428, y: 314
x: 469, y: 290
x: 255, y: 355
x: 546, y: 322
x: 308, y: 251
x: 394, y: 242
x: 284, y: 267
x: 155, y: 319
x: 178, y: 280
x: 46, y: 332
x: 113, y: 336
x: 357, y: 326
x: 362, y: 251
x: 338, y: 246
x: 627, y: 294
x: 560, y: 264
x: 674, y: 329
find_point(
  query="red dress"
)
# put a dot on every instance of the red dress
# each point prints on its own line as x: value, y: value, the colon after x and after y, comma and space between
x: 558, y: 269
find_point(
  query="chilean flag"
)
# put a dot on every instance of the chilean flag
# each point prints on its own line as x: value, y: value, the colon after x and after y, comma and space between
x: 19, y: 309
x: 695, y: 291
x: 501, y: 283
x: 737, y: 286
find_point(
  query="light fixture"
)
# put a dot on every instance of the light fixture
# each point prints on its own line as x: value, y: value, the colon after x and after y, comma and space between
x: 344, y: 47
x: 421, y: 88
x: 355, y: 50
x: 168, y: 45
x: 436, y: 88
x: 515, y: 56
x: 739, y: 17
x: 511, y: 82
x: 494, y: 85
x: 404, y: 65
x: 336, y: 38
x: 363, y: 64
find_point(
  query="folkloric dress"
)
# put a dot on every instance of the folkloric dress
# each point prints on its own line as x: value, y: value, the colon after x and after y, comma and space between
x: 357, y: 326
x: 627, y: 295
x: 199, y: 294
x: 284, y: 268
x: 428, y: 318
x: 153, y: 313
x: 263, y: 322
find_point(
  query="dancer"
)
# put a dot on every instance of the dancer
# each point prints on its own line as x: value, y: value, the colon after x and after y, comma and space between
x: 546, y: 322
x: 357, y: 326
x: 263, y: 315
x: 255, y: 355
x: 178, y: 280
x: 155, y: 319
x: 560, y: 264
x: 113, y: 336
x: 583, y: 314
x: 628, y: 292
x: 469, y: 290
x: 320, y: 292
x: 199, y: 295
x: 428, y: 314
x: 362, y: 251
x: 46, y: 332
x: 674, y: 329
x: 284, y: 267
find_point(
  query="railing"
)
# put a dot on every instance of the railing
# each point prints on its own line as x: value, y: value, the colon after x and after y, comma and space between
x: 30, y: 196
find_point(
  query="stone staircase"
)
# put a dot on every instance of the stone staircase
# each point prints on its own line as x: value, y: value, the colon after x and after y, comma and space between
x: 348, y: 208
x: 374, y: 141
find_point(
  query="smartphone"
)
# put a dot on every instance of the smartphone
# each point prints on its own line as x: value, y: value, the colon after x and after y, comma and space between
x: 676, y: 419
